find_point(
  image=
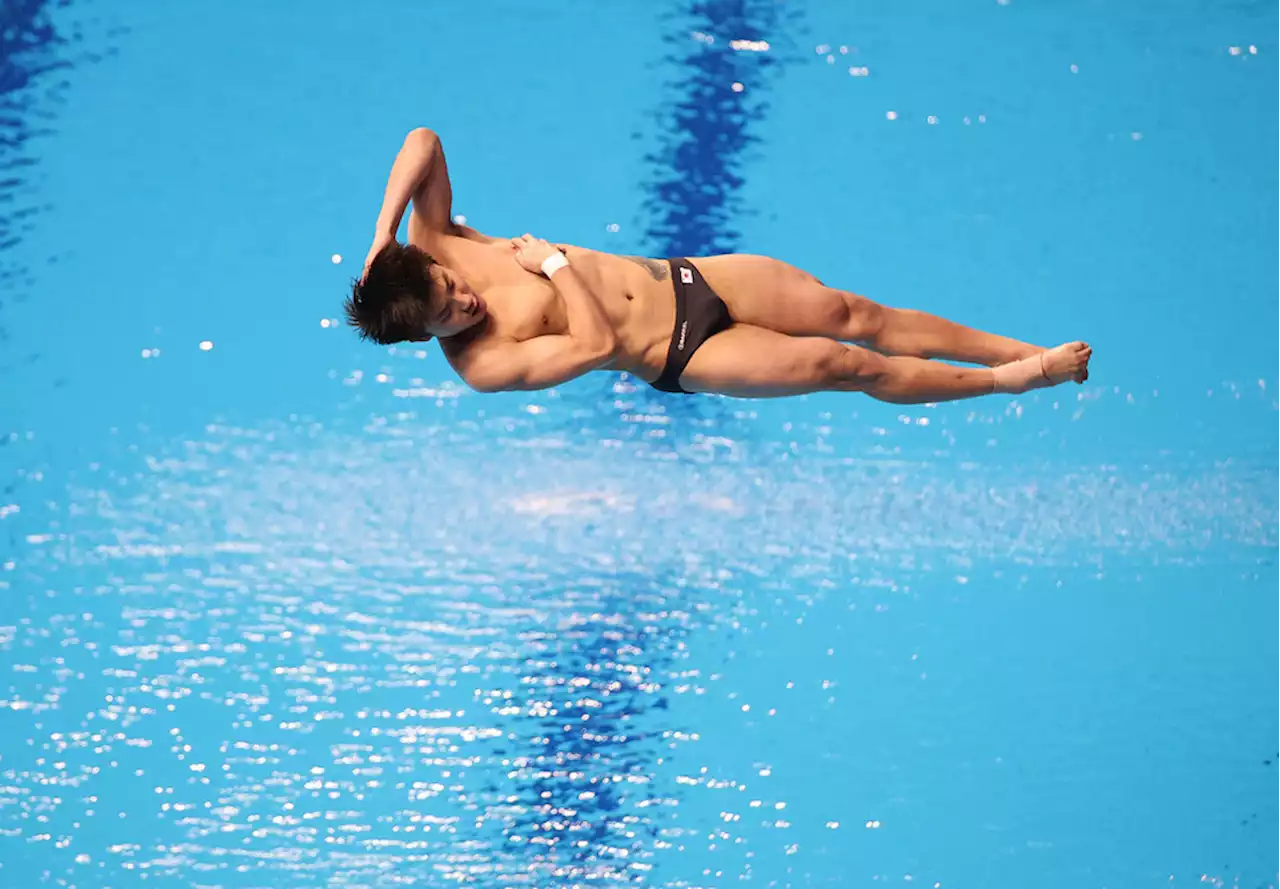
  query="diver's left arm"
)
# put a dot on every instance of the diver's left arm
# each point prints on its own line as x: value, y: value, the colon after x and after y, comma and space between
x: 419, y: 173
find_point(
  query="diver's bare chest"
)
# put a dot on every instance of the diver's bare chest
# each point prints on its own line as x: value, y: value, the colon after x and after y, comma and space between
x: 521, y: 305
x: 524, y: 311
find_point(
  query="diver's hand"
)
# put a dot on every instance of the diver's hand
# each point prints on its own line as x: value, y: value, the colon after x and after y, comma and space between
x: 380, y: 240
x: 532, y: 252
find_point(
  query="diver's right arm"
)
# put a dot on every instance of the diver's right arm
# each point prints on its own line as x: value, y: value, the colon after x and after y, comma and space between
x: 543, y: 361
x: 537, y: 363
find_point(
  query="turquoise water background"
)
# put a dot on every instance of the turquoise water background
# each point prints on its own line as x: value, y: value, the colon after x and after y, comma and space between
x: 295, y: 610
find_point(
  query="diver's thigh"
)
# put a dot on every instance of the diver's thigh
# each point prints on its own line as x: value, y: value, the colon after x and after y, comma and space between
x: 745, y: 361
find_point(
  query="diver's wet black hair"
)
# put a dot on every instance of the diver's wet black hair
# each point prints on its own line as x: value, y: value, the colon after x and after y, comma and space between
x: 393, y: 302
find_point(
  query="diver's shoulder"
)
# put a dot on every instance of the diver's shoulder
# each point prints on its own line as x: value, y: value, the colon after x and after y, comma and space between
x: 467, y: 233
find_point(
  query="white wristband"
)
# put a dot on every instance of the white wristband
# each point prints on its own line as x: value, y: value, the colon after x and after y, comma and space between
x: 554, y: 263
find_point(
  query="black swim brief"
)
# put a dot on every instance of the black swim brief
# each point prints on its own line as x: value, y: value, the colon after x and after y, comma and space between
x: 700, y: 314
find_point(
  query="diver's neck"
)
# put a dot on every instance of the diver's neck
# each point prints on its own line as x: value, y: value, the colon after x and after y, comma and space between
x: 464, y: 338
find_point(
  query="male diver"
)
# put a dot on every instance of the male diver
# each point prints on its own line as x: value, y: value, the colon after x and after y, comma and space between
x: 519, y: 313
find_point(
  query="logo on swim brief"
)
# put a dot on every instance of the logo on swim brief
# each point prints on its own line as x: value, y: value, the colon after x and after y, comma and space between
x: 686, y: 276
x: 684, y: 328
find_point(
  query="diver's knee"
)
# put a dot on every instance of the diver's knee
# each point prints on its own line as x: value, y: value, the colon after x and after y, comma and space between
x: 865, y: 318
x: 850, y: 367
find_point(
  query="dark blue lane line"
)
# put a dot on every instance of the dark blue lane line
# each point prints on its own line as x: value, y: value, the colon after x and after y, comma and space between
x: 692, y: 206
x: 584, y: 785
x: 706, y: 125
x: 35, y: 56
x: 707, y: 128
x: 32, y: 55
x: 695, y: 174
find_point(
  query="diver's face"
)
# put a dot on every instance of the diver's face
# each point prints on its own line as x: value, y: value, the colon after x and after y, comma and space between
x: 455, y: 306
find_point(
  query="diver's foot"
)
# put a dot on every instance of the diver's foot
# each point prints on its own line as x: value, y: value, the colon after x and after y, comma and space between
x: 1068, y: 362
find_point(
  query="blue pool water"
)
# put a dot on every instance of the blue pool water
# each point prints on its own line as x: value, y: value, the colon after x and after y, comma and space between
x: 293, y: 610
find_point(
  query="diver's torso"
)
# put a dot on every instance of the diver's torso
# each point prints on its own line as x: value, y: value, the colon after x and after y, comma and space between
x: 637, y: 295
